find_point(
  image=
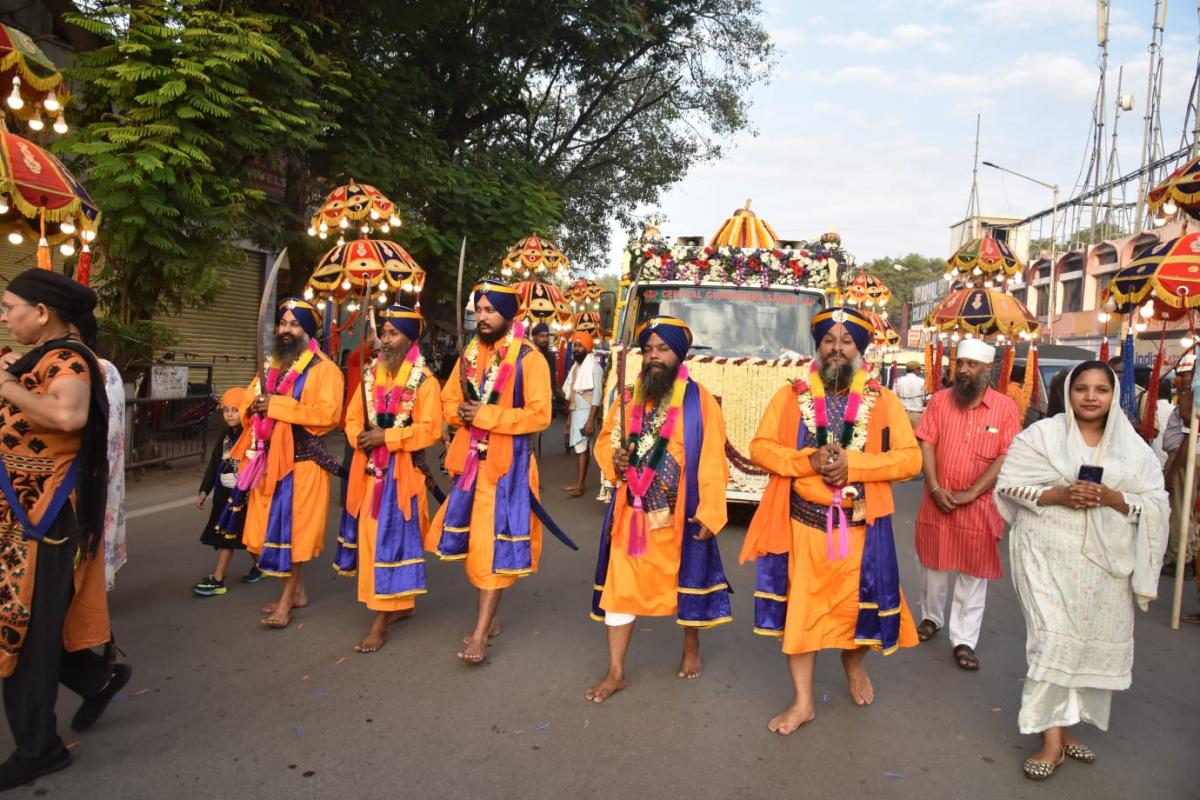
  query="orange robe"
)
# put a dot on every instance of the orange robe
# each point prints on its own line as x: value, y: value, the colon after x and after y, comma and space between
x: 823, y: 595
x: 503, y: 422
x: 318, y: 410
x: 649, y: 585
x: 425, y: 430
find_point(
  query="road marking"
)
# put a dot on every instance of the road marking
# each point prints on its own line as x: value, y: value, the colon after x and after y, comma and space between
x: 167, y: 506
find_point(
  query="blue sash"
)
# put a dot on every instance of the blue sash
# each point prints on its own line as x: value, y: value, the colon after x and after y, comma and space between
x: 57, y: 500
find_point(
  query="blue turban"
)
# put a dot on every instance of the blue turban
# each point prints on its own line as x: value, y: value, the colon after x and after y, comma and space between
x: 541, y: 327
x: 502, y: 297
x: 857, y: 325
x: 305, y: 313
x: 404, y: 319
x: 674, y: 332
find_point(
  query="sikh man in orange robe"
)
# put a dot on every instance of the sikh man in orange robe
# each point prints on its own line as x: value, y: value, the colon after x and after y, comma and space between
x: 827, y: 575
x: 394, y: 413
x: 284, y: 481
x: 487, y: 521
x: 658, y: 554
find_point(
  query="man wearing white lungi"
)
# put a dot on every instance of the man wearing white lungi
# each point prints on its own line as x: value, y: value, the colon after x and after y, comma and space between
x: 584, y: 386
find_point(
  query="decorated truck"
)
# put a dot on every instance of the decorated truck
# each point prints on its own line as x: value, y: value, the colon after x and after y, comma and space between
x: 749, y: 298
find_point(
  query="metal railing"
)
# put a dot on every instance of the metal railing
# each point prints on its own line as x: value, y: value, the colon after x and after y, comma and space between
x: 158, y: 430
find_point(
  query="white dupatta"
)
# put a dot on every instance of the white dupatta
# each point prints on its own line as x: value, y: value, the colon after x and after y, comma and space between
x: 1050, y: 452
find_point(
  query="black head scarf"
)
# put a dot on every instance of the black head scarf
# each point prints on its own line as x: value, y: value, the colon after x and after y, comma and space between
x: 74, y: 303
x: 70, y: 299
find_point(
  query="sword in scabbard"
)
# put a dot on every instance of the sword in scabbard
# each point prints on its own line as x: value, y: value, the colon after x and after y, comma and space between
x: 462, y: 373
x: 623, y: 351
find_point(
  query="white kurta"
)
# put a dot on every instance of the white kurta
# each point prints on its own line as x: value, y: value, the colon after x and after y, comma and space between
x: 1078, y: 623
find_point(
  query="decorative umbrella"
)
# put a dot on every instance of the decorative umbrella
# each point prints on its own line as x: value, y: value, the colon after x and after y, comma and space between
x: 985, y: 256
x: 744, y: 229
x: 1168, y: 272
x: 982, y: 312
x: 867, y: 290
x: 35, y: 188
x: 535, y: 258
x: 36, y: 82
x: 355, y: 204
x: 542, y: 302
x: 584, y: 294
x: 1180, y: 189
x: 370, y: 267
x: 587, y: 322
x: 885, y: 334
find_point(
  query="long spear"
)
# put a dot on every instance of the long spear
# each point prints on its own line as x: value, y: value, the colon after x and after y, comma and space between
x: 458, y: 307
x: 623, y: 352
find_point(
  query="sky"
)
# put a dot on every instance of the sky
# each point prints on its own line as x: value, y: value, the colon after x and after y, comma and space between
x: 868, y: 123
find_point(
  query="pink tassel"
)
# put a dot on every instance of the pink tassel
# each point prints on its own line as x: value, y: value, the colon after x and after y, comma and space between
x: 637, y: 530
x: 253, y: 472
x: 835, y: 507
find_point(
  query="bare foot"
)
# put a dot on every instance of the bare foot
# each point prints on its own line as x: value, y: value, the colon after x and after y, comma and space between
x: 689, y: 665
x: 280, y: 617
x: 396, y: 616
x: 300, y: 601
x: 474, y: 652
x: 493, y: 632
x: 605, y: 688
x: 790, y: 720
x: 376, y: 637
x: 856, y: 676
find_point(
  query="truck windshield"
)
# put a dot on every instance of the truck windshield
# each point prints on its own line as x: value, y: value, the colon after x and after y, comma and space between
x: 737, y: 321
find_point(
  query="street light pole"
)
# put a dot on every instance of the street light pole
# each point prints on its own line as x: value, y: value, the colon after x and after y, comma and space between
x: 1053, y: 187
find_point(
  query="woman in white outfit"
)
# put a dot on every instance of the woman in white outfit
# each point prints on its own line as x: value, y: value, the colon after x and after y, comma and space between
x: 1083, y: 553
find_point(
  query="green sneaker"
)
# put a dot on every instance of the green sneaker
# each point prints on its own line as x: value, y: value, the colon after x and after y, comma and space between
x: 209, y: 587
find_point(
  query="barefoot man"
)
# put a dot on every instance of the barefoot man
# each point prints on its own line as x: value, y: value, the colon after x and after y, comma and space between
x: 486, y: 520
x: 583, y: 386
x: 833, y: 443
x: 284, y: 483
x: 658, y: 557
x: 394, y: 413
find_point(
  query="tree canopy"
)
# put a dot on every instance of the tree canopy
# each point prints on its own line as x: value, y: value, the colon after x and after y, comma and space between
x: 478, y: 118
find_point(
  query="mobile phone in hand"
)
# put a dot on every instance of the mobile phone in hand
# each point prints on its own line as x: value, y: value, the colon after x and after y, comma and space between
x: 1091, y: 473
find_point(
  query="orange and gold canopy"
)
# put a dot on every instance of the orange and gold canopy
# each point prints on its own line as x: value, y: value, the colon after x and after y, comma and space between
x: 534, y: 258
x: 745, y: 229
x: 365, y: 264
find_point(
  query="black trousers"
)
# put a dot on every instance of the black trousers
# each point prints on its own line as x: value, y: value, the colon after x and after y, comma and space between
x: 32, y: 690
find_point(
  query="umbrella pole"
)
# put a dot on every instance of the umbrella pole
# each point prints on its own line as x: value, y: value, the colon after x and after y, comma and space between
x: 1185, y: 523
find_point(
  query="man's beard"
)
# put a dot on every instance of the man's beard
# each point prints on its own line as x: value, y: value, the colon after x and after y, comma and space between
x: 287, y: 348
x: 579, y: 356
x: 392, y: 358
x: 838, y: 376
x: 493, y: 336
x: 965, y: 392
x: 657, y: 380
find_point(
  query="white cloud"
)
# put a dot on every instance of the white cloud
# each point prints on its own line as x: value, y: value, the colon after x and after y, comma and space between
x: 865, y: 73
x: 1032, y: 13
x: 908, y: 35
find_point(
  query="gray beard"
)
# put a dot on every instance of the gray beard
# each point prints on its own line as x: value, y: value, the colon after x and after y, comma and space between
x: 838, y: 376
x: 966, y: 393
x: 392, y: 361
x: 286, y: 354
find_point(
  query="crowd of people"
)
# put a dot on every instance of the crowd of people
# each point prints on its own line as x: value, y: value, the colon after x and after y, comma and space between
x: 1080, y: 493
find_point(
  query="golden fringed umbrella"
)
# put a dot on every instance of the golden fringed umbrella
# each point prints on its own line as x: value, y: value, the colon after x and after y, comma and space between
x: 587, y: 322
x: 35, y: 80
x: 867, y: 290
x: 366, y: 266
x: 1168, y: 272
x: 982, y: 312
x: 535, y: 258
x: 543, y: 302
x: 584, y: 294
x: 1180, y: 190
x: 985, y: 256
x: 885, y: 335
x: 355, y: 205
x: 745, y: 229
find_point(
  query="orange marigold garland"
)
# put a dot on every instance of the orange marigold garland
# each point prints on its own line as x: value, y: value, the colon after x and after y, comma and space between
x: 1006, y: 365
x: 1029, y: 381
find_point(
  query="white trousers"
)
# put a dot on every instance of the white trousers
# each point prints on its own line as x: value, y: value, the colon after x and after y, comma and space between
x: 966, y: 609
x: 615, y: 619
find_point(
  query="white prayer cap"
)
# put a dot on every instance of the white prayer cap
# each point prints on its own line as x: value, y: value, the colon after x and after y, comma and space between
x: 976, y: 350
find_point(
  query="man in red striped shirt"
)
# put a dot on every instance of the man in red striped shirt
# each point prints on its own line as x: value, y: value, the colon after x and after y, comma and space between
x: 964, y: 435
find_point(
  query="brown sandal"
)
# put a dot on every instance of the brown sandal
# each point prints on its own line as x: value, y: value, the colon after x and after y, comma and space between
x: 927, y: 630
x: 966, y: 658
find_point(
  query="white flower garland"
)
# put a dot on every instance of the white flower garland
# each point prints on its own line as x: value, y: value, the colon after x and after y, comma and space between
x: 858, y: 442
x: 410, y: 390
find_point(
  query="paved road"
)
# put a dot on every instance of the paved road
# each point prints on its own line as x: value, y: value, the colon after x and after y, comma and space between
x: 221, y: 708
